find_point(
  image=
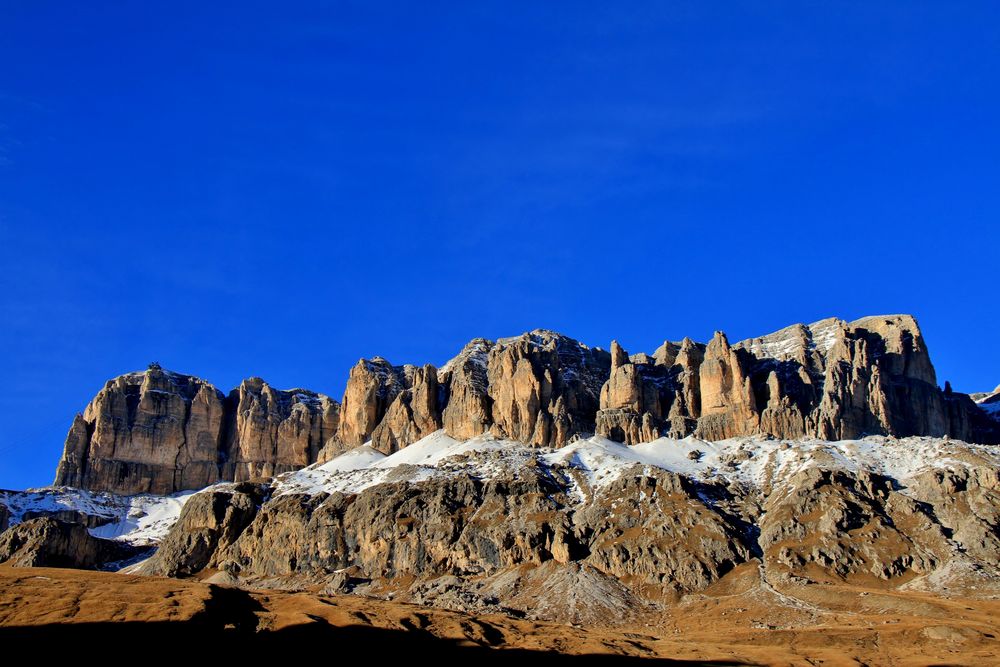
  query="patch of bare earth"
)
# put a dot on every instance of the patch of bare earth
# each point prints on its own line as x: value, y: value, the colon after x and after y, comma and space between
x: 742, y: 619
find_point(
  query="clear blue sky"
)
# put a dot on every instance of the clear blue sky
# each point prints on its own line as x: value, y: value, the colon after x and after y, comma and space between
x: 280, y: 189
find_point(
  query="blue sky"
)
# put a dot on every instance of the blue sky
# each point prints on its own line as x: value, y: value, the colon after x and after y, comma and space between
x: 257, y: 189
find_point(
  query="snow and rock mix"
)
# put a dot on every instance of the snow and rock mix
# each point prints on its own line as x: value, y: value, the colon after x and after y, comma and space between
x: 597, y: 461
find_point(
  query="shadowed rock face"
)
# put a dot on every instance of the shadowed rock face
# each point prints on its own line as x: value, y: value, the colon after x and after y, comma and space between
x: 210, y: 523
x: 160, y: 432
x: 48, y: 542
x: 414, y: 413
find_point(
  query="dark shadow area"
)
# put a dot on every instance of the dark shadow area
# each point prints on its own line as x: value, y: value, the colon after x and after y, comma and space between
x: 198, y: 640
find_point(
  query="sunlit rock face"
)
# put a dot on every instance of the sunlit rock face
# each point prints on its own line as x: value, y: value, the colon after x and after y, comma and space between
x: 160, y: 432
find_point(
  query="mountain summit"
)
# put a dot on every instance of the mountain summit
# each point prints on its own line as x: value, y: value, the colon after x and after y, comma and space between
x: 161, y: 432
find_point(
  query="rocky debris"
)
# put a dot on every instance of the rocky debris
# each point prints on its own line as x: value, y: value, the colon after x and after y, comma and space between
x: 271, y: 431
x: 4, y: 517
x: 966, y: 504
x: 151, y: 432
x: 651, y: 526
x: 49, y: 542
x: 458, y: 525
x: 572, y: 593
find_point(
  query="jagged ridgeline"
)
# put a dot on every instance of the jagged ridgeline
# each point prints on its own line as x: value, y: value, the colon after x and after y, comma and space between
x: 160, y: 432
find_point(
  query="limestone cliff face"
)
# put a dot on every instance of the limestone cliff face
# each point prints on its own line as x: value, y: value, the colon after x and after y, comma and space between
x: 271, y: 431
x: 728, y: 408
x: 544, y: 387
x: 159, y: 432
x: 870, y: 376
x: 372, y: 386
x: 151, y: 432
x: 831, y: 379
x: 415, y: 412
x: 468, y: 410
x: 635, y: 399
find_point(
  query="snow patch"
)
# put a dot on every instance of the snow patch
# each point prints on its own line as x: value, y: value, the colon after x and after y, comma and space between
x: 140, y: 520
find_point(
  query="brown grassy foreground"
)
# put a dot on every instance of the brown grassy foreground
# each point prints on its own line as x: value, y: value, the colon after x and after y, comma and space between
x: 66, y: 614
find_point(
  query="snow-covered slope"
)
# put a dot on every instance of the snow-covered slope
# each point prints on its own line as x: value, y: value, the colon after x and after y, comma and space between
x: 139, y: 520
x: 595, y: 462
x: 587, y: 465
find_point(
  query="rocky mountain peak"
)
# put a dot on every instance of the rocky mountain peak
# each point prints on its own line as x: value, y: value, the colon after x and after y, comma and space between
x: 619, y: 357
x: 157, y: 431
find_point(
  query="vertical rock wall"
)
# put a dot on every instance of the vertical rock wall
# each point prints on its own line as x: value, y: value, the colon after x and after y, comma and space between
x: 160, y: 432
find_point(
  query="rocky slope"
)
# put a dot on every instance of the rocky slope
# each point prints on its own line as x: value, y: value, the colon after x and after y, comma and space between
x: 594, y: 531
x: 598, y: 530
x: 48, y: 542
x: 162, y: 432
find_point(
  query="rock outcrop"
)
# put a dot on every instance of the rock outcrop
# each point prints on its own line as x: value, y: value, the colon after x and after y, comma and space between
x: 210, y: 522
x: 151, y: 432
x: 651, y: 526
x: 636, y: 397
x: 807, y: 516
x: 48, y: 542
x: 372, y: 386
x: 545, y: 387
x: 270, y: 431
x: 833, y: 524
x: 160, y: 432
x: 661, y: 533
x: 728, y: 408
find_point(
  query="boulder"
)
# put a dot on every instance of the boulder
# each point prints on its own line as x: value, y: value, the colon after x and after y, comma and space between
x: 49, y: 542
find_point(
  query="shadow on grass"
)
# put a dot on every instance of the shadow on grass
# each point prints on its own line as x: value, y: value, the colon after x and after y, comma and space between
x: 194, y: 641
x: 227, y: 628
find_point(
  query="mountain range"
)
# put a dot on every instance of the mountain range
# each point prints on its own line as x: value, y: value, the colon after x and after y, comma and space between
x: 537, y: 477
x: 161, y: 432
